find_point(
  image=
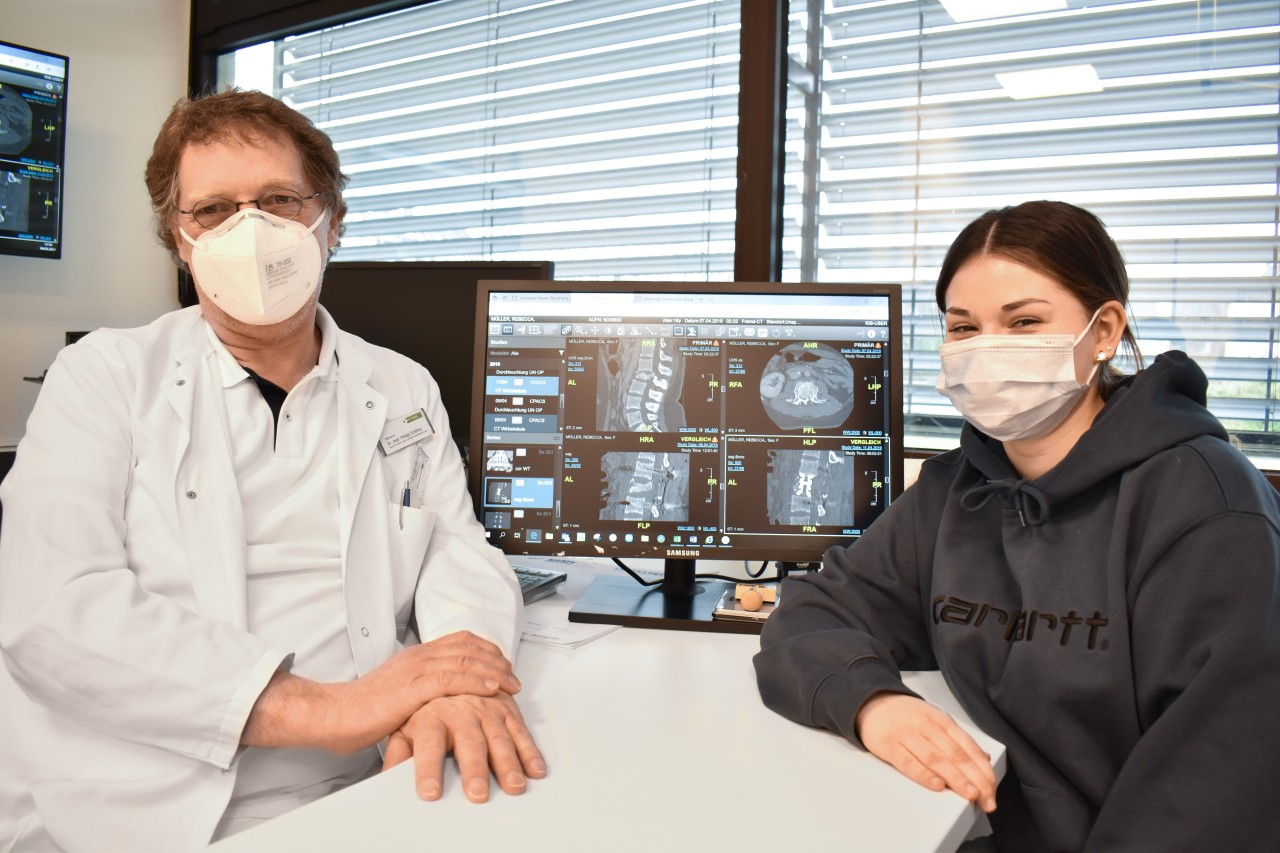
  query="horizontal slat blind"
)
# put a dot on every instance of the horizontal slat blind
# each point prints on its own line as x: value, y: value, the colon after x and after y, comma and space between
x: 599, y: 134
x: 908, y: 135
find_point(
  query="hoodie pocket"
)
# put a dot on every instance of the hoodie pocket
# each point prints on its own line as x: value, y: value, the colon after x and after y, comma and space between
x: 1062, y: 818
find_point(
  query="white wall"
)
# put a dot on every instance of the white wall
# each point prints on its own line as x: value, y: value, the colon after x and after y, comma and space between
x: 128, y: 66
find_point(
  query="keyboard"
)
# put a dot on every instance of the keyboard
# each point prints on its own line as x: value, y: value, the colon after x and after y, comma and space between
x: 537, y: 583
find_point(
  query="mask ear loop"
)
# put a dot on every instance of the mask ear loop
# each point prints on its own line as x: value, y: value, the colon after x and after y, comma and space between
x: 314, y: 225
x: 1102, y: 353
x: 1087, y: 327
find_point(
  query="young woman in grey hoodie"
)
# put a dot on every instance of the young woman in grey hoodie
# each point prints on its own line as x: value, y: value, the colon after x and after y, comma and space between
x: 1095, y: 571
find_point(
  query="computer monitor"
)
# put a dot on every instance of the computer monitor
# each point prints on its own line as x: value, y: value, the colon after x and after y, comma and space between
x: 33, y: 138
x: 683, y: 421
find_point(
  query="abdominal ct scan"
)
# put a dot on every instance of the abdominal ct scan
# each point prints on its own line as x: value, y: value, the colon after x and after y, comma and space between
x: 810, y: 387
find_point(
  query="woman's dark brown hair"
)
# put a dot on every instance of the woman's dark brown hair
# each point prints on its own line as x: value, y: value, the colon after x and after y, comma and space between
x: 246, y: 116
x: 1066, y: 243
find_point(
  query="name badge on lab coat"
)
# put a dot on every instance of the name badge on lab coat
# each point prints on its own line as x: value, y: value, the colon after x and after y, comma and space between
x: 405, y: 430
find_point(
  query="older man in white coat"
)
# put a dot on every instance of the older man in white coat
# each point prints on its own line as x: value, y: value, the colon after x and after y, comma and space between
x: 225, y: 532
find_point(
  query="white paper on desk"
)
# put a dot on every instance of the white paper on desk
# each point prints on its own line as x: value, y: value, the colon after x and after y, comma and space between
x: 548, y: 624
x: 565, y: 635
x: 591, y: 565
x: 546, y: 621
x: 538, y: 561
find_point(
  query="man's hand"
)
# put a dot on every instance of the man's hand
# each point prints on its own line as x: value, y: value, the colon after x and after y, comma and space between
x: 924, y: 744
x: 482, y: 732
x: 296, y: 712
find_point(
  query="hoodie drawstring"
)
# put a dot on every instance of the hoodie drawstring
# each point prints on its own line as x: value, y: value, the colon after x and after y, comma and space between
x: 1032, y: 505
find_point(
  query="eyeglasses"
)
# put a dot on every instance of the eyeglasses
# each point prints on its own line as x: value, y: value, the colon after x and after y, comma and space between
x: 212, y: 212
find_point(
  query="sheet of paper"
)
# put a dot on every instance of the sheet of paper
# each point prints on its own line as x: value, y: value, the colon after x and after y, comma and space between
x: 565, y: 635
x: 546, y: 621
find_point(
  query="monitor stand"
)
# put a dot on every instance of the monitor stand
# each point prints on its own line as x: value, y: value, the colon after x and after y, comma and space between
x: 679, y: 603
x: 787, y: 569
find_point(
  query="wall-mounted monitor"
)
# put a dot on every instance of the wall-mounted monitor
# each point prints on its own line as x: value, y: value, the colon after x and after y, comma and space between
x: 33, y: 121
x: 683, y: 421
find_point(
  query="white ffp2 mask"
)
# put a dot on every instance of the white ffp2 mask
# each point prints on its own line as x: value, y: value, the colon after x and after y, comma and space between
x: 1013, y: 386
x: 258, y: 267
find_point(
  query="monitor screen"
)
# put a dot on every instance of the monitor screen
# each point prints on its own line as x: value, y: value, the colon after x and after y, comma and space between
x: 684, y: 421
x: 33, y: 120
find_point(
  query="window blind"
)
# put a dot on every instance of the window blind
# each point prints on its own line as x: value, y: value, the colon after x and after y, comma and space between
x: 900, y: 133
x: 598, y: 134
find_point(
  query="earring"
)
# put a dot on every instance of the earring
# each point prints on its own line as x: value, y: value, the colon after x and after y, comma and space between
x: 1102, y: 355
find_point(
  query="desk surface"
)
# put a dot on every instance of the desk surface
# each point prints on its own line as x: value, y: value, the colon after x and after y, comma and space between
x: 654, y: 740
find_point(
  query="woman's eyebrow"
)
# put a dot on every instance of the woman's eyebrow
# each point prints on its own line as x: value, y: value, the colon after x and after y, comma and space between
x: 1022, y: 303
x: 1012, y: 306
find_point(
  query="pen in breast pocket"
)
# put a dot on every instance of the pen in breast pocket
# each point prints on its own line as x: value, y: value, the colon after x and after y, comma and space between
x: 405, y: 497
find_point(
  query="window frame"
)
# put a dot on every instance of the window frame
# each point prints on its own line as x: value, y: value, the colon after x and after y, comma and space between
x: 219, y: 26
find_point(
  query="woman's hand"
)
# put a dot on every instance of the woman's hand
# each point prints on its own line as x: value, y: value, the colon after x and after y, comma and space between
x: 924, y: 744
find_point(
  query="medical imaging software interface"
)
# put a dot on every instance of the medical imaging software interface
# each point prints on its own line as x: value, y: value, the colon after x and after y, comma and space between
x: 683, y: 424
x: 32, y: 124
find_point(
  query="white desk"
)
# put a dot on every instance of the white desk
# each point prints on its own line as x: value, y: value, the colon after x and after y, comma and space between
x: 655, y: 741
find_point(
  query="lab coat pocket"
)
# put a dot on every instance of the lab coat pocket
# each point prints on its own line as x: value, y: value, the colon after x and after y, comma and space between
x: 411, y: 530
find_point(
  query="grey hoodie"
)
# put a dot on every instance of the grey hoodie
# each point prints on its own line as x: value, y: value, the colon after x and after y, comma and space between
x: 1115, y: 623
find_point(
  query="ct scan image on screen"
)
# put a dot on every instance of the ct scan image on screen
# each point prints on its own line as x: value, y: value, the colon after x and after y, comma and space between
x: 684, y: 421
x: 33, y: 117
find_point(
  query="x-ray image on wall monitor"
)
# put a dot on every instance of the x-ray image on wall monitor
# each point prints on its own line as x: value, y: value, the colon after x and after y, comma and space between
x: 33, y: 120
x: 683, y: 421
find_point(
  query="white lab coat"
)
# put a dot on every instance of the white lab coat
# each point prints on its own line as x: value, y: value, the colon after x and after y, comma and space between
x: 129, y: 669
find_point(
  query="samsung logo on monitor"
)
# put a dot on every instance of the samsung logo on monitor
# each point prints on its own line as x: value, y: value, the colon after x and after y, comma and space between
x: 684, y: 552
